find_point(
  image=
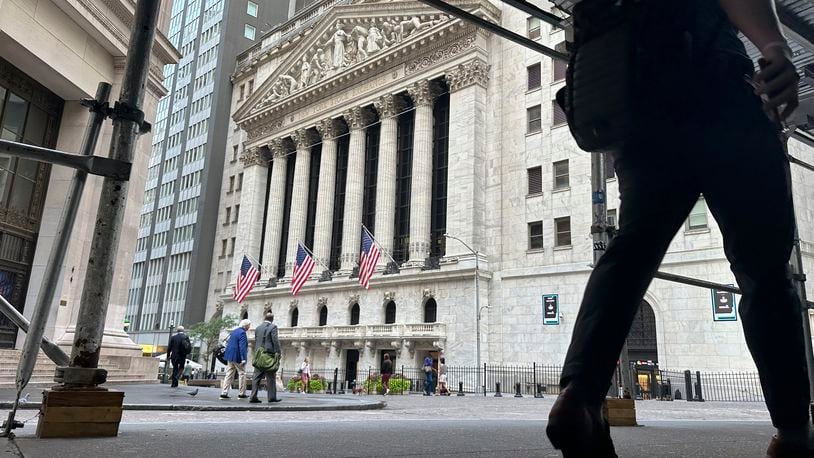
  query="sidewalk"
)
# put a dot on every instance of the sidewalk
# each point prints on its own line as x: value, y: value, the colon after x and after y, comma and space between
x: 162, y: 397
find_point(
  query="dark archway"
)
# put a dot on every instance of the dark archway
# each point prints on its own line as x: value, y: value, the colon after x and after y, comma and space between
x: 641, y: 340
x: 323, y: 315
x: 295, y: 316
x: 430, y: 311
x: 354, y: 314
x: 244, y: 315
x: 390, y: 313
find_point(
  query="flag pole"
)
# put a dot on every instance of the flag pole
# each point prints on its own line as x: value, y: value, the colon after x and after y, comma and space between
x: 252, y: 259
x: 313, y: 256
x: 378, y: 244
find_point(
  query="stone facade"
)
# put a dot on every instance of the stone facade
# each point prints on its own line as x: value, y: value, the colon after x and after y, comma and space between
x: 489, y: 206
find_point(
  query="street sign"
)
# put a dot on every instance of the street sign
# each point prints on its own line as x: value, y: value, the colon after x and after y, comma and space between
x: 551, y: 309
x: 724, y: 307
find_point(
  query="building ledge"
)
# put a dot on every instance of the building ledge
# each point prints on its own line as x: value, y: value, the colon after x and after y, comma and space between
x: 369, y: 331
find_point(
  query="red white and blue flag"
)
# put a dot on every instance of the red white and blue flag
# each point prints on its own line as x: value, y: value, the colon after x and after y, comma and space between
x: 246, y: 279
x: 302, y: 269
x: 368, y: 259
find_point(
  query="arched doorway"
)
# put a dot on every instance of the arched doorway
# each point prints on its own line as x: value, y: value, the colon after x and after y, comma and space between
x: 390, y: 313
x: 354, y: 314
x: 295, y: 316
x: 642, y: 350
x: 430, y: 311
x: 323, y: 316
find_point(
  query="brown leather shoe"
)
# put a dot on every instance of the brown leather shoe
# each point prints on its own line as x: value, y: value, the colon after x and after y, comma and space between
x: 579, y: 429
x: 778, y: 449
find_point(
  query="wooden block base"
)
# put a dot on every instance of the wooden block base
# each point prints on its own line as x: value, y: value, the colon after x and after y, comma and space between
x: 80, y: 413
x: 620, y: 412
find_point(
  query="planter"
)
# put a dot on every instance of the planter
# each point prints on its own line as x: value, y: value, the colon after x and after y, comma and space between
x: 620, y: 412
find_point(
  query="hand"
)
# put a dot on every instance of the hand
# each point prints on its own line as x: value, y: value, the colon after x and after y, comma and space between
x: 243, y: 362
x: 777, y: 81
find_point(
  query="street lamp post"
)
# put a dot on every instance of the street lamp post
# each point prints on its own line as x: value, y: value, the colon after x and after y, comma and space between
x: 477, y: 305
x: 167, y: 353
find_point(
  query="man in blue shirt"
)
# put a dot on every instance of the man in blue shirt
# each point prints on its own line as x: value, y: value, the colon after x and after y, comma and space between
x: 237, y: 351
x: 428, y: 369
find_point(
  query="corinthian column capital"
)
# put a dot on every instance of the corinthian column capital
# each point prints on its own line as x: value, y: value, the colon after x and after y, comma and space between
x: 467, y: 74
x: 357, y: 118
x: 422, y: 92
x: 388, y: 106
x: 303, y: 138
x: 253, y: 156
x: 277, y: 148
x: 328, y: 129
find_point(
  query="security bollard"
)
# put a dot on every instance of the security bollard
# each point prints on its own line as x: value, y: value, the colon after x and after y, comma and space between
x: 517, y: 392
x: 497, y: 390
x: 336, y: 374
x: 538, y: 391
x: 460, y: 388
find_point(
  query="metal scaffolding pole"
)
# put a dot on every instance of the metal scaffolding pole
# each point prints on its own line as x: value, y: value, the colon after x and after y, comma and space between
x: 128, y: 123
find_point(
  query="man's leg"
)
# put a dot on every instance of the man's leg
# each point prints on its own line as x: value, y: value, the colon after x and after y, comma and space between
x: 241, y: 380
x: 227, y: 380
x: 271, y: 385
x: 655, y: 202
x: 256, y: 377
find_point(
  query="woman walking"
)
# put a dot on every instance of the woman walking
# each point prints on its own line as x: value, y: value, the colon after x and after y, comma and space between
x: 387, y: 371
x: 442, y: 378
x: 305, y: 374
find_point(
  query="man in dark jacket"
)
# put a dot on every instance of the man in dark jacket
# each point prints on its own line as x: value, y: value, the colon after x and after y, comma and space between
x: 177, y: 351
x: 266, y: 338
x: 237, y: 351
x: 711, y: 122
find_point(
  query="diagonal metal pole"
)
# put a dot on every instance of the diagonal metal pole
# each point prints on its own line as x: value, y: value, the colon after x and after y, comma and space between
x: 52, y: 350
x: 102, y: 258
x: 53, y: 269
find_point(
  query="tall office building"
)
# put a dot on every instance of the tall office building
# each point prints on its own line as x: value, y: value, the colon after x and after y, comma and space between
x: 173, y: 253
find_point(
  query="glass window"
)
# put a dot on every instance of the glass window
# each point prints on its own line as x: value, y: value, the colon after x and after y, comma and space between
x: 295, y: 317
x: 354, y: 314
x: 536, y: 235
x: 14, y: 118
x: 251, y: 9
x: 390, y: 313
x: 430, y: 311
x: 323, y: 316
x: 698, y: 215
x: 535, y: 176
x: 533, y: 76
x: 249, y: 31
x: 558, y: 116
x: 533, y: 120
x: 533, y: 28
x: 559, y: 67
x: 563, y: 228
x: 561, y: 179
x: 612, y: 218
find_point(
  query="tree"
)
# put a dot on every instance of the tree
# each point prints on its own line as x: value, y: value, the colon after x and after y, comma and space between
x: 208, y: 333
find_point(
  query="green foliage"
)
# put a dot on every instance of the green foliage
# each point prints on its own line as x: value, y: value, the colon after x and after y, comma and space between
x: 315, y: 385
x: 397, y: 384
x: 208, y: 333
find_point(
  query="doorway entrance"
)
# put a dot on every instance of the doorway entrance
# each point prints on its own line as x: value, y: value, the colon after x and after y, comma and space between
x: 392, y: 354
x: 641, y: 340
x: 351, y: 363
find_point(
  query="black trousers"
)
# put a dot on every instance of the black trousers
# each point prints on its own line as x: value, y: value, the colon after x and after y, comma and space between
x: 723, y: 147
x: 177, y: 370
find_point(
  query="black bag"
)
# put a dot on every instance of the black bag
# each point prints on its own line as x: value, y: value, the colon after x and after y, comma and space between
x: 187, y: 345
x: 630, y: 59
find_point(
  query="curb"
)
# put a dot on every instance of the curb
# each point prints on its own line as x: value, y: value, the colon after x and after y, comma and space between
x: 277, y: 407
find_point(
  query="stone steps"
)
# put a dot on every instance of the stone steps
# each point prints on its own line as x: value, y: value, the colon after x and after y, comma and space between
x: 43, y: 374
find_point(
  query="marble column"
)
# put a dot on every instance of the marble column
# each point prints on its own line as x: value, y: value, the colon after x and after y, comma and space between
x: 303, y: 139
x: 466, y: 195
x: 423, y: 96
x: 274, y: 215
x: 357, y: 119
x: 252, y: 202
x: 323, y: 227
x: 387, y: 106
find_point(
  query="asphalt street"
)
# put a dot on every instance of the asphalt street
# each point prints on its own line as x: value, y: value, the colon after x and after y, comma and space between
x: 469, y: 426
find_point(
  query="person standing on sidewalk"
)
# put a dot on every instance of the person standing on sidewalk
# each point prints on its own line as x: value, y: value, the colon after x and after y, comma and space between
x: 387, y: 371
x: 428, y: 370
x: 689, y: 130
x: 443, y: 390
x: 305, y: 374
x: 178, y: 349
x: 266, y: 337
x: 237, y: 351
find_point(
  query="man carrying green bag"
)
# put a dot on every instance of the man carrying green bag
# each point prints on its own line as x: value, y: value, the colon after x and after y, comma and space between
x: 266, y: 358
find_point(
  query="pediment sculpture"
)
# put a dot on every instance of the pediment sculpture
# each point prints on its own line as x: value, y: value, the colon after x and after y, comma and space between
x: 345, y: 45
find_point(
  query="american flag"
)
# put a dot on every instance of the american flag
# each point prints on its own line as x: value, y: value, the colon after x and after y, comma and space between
x: 368, y: 259
x: 302, y: 269
x: 246, y: 279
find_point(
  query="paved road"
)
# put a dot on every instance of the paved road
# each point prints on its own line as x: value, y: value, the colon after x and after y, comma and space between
x: 413, y: 426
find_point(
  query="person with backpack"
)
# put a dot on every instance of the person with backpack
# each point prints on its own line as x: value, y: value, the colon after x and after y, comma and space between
x: 699, y: 111
x: 266, y: 346
x: 429, y: 389
x: 387, y: 371
x: 177, y: 351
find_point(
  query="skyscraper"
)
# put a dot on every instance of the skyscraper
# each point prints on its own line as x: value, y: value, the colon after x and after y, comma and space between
x: 176, y: 232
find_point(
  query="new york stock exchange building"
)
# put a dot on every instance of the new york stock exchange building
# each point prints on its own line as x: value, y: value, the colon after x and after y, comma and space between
x: 393, y: 116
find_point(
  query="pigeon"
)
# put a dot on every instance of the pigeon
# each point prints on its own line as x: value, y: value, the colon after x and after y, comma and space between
x: 24, y: 400
x: 193, y: 393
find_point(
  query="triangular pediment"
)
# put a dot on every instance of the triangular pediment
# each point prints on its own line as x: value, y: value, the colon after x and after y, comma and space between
x: 346, y: 39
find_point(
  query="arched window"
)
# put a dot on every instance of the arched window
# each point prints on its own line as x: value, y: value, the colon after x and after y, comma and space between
x: 430, y: 311
x: 244, y: 315
x: 295, y: 316
x: 354, y: 314
x: 323, y: 316
x: 390, y: 313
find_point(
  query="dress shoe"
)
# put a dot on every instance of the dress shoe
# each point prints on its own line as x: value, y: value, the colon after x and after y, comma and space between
x: 275, y: 400
x: 578, y: 428
x: 780, y: 449
x: 224, y: 396
x: 242, y: 396
x: 254, y: 401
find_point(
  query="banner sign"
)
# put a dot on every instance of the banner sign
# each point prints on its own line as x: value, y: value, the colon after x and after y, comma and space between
x: 551, y: 309
x: 723, y: 306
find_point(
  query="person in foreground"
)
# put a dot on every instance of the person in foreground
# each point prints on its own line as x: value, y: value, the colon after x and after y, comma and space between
x: 679, y: 153
x: 266, y: 337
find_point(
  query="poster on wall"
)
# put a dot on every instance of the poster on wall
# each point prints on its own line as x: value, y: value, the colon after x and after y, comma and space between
x: 723, y: 306
x: 551, y: 309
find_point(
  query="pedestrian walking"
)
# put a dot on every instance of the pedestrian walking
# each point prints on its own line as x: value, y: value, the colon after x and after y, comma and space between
x: 237, y: 350
x: 387, y: 371
x: 305, y: 374
x: 697, y: 90
x: 443, y: 390
x: 187, y: 374
x: 177, y: 351
x: 429, y: 389
x: 266, y: 337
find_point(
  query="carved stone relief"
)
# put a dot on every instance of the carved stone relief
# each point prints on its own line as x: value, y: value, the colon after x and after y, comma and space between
x: 468, y: 74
